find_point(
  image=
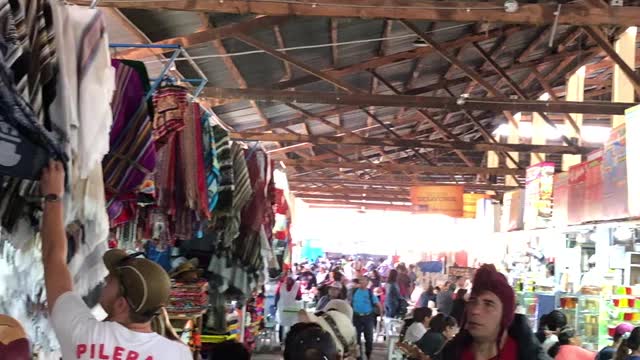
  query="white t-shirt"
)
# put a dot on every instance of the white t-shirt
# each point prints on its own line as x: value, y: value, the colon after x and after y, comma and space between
x: 415, y: 332
x: 82, y: 337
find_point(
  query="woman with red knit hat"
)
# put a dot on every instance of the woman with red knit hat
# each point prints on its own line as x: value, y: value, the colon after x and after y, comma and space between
x: 490, y: 328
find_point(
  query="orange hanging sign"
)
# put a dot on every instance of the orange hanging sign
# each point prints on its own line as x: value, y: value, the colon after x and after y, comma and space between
x: 438, y: 199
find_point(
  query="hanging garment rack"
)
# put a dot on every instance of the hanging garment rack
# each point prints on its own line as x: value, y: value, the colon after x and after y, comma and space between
x: 165, y: 68
x: 202, y: 82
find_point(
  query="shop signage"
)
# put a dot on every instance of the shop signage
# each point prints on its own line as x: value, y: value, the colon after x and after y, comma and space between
x: 538, y: 207
x: 632, y: 118
x: 593, y: 188
x: 577, y: 192
x: 470, y: 204
x: 466, y: 272
x: 561, y: 199
x: 614, y: 175
x: 512, y: 211
x: 438, y: 199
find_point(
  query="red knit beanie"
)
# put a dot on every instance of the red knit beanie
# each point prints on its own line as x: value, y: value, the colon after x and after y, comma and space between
x: 487, y: 278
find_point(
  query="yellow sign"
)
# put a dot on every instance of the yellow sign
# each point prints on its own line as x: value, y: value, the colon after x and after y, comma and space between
x: 470, y: 203
x: 442, y: 199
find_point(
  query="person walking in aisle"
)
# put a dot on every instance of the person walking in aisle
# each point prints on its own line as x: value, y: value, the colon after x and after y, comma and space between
x: 491, y: 329
x: 394, y: 303
x: 332, y: 294
x: 608, y: 352
x: 287, y: 296
x: 444, y: 299
x: 404, y: 281
x: 629, y: 349
x: 365, y: 305
x: 135, y: 291
x: 459, y: 303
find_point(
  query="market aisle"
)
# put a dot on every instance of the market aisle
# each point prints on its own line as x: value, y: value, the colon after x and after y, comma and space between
x: 379, y: 353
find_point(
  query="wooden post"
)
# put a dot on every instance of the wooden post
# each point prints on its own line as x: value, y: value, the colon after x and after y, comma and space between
x: 623, y: 89
x: 514, y: 138
x: 575, y: 92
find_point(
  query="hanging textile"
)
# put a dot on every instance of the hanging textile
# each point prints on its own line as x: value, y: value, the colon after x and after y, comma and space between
x: 56, y: 58
x: 225, y: 159
x: 212, y: 166
x: 132, y: 154
x: 170, y: 103
x: 241, y: 196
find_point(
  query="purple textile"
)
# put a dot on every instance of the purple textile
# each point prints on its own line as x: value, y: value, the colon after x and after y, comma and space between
x: 132, y: 154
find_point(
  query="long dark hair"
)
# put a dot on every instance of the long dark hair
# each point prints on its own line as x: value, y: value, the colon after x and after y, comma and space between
x: 393, y: 276
x: 632, y: 343
x: 556, y: 320
x: 564, y: 338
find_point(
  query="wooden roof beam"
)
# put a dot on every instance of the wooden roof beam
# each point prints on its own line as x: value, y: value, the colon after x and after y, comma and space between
x: 447, y: 103
x: 459, y: 11
x: 284, y: 57
x: 204, y: 36
x: 425, y: 114
x: 395, y: 181
x: 602, y: 41
x: 409, y: 143
x: 411, y: 168
x: 380, y: 61
x: 516, y: 88
x: 280, y: 41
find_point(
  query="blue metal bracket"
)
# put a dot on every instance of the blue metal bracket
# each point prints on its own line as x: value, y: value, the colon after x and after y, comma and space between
x: 157, y: 81
x: 165, y: 69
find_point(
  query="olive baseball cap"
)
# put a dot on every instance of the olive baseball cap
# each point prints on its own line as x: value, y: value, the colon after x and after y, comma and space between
x: 146, y: 285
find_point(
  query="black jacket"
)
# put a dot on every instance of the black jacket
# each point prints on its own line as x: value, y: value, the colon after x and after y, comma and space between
x: 528, y: 346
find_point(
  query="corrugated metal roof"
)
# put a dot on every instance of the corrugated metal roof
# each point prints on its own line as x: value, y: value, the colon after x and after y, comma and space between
x: 261, y: 70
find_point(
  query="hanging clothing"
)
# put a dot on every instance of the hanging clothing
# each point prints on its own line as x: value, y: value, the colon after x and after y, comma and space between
x: 192, y: 160
x: 132, y: 155
x: 170, y: 103
x: 212, y: 166
x: 25, y: 143
x: 225, y: 159
x: 241, y: 195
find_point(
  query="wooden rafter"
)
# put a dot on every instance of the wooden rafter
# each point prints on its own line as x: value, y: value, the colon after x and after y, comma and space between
x: 280, y: 41
x: 450, y: 104
x: 516, y: 88
x: 204, y: 36
x: 398, y: 182
x: 425, y: 114
x: 234, y: 71
x: 411, y: 168
x: 552, y: 94
x: 380, y: 61
x: 353, y: 197
x: 333, y: 23
x: 410, y: 143
x: 459, y: 11
x: 533, y: 45
x: 602, y: 41
x: 320, y: 74
x: 284, y: 57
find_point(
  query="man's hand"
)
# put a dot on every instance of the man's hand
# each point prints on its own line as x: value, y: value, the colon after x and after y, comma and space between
x: 52, y: 181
